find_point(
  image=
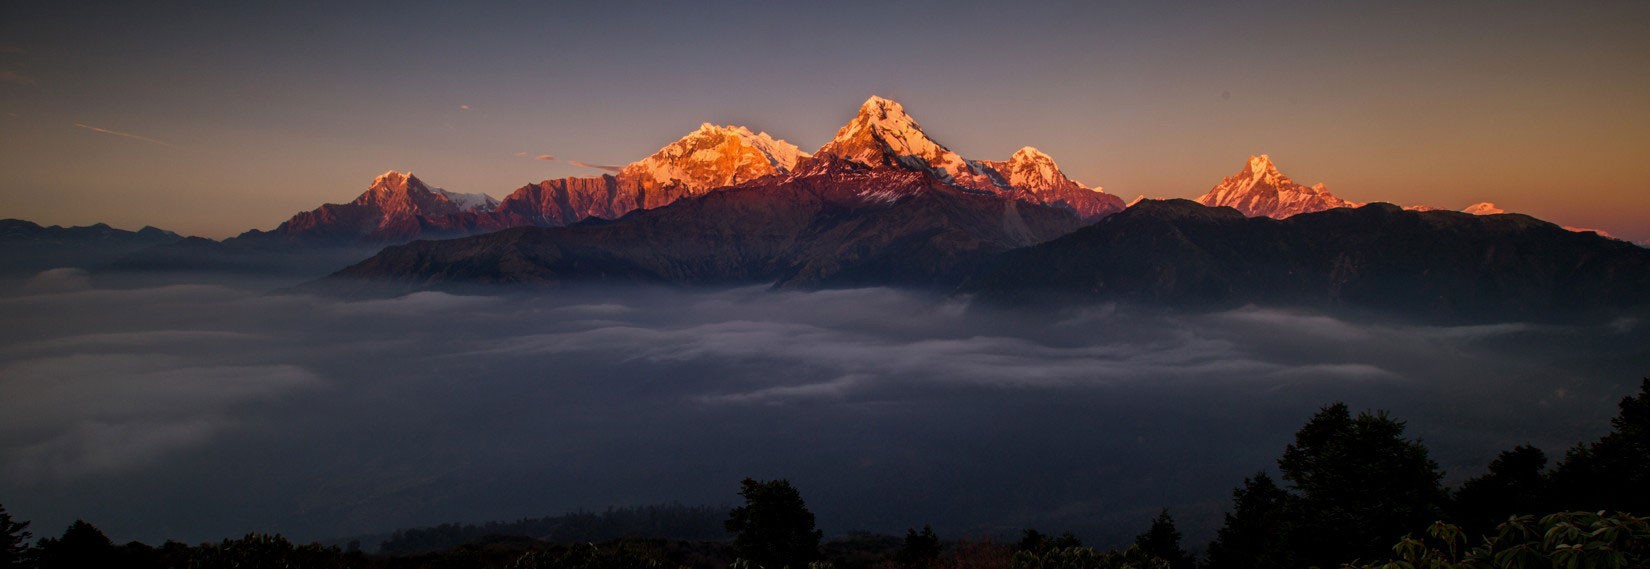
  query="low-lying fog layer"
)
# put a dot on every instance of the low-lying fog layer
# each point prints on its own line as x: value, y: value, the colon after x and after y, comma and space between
x: 199, y: 411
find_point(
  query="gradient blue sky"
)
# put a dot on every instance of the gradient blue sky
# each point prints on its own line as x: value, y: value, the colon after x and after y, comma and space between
x: 241, y: 116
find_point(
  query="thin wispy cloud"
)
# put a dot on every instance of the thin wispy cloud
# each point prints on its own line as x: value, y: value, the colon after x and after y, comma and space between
x: 596, y: 166
x: 127, y: 135
x: 521, y: 154
x: 579, y: 163
x: 17, y: 78
x: 463, y: 107
x: 9, y: 48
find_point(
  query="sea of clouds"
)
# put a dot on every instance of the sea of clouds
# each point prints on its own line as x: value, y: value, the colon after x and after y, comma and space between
x: 200, y: 410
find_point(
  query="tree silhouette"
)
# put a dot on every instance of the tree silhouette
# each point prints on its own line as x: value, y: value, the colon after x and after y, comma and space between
x: 82, y: 545
x: 1515, y: 484
x: 14, y: 541
x: 1255, y: 535
x: 1162, y: 540
x: 1613, y: 472
x: 1035, y: 541
x: 1362, y: 485
x: 774, y: 528
x: 920, y: 549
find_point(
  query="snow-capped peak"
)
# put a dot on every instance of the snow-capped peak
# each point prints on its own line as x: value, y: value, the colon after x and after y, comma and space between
x: 1033, y: 176
x: 395, y: 191
x: 1030, y: 170
x: 715, y: 156
x: 883, y: 134
x: 469, y: 202
x: 1261, y: 164
x: 1483, y: 208
x: 1259, y: 189
x: 393, y: 182
x: 883, y: 107
x: 399, y: 181
x: 886, y: 122
x: 1027, y: 153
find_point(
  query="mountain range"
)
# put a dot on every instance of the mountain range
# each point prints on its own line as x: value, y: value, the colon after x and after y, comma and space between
x: 884, y: 204
x: 397, y: 208
x: 29, y: 247
x: 879, y: 204
x: 1260, y: 190
x: 831, y: 223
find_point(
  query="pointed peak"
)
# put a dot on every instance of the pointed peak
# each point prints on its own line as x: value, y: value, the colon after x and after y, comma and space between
x: 886, y: 112
x: 879, y: 104
x: 1261, y: 163
x: 1029, y: 153
x: 1260, y: 190
x: 882, y: 134
x: 881, y: 127
x: 402, y: 193
x: 398, y: 181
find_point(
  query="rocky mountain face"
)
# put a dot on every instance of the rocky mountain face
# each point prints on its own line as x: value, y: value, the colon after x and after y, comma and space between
x: 1035, y: 177
x: 883, y: 134
x: 709, y: 158
x: 398, y: 208
x: 395, y: 208
x: 1438, y: 264
x: 1259, y: 190
x: 831, y: 223
x: 880, y: 204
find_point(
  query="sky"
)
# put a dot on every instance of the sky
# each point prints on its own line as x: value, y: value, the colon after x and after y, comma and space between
x: 214, y: 118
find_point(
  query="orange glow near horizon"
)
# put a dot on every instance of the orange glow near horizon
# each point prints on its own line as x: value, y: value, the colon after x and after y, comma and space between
x: 215, y: 121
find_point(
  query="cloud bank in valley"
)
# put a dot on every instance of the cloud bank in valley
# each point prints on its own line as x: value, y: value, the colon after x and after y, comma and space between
x: 197, y: 411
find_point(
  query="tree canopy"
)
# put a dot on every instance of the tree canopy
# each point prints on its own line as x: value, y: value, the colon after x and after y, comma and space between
x: 1614, y: 471
x: 1360, y: 485
x: 1162, y: 540
x: 1256, y: 532
x: 774, y: 528
x: 14, y: 541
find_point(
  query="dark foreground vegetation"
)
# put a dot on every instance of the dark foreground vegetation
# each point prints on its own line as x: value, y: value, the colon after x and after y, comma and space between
x: 672, y: 521
x: 1354, y: 492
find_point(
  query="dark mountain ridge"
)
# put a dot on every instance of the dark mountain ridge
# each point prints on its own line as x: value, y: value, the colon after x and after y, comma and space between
x: 1379, y: 256
x: 27, y: 247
